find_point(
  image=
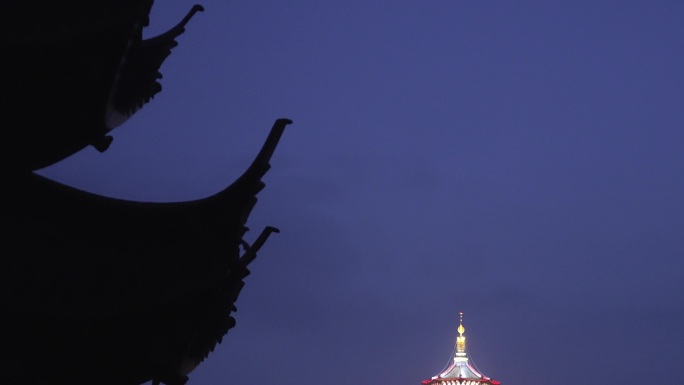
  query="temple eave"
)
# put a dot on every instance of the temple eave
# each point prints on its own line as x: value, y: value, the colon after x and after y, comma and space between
x: 460, y: 381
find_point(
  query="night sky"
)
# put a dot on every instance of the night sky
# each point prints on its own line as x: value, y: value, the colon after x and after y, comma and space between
x: 520, y: 161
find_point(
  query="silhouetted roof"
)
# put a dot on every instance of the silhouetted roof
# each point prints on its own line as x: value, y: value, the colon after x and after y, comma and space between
x: 72, y: 71
x: 96, y: 289
x: 94, y: 285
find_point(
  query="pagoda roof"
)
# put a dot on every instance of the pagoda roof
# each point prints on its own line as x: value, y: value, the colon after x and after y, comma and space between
x: 460, y: 371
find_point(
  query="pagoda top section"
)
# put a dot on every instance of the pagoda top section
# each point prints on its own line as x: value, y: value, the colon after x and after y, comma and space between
x: 460, y: 371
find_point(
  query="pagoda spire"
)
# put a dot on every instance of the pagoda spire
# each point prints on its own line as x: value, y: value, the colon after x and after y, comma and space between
x: 460, y: 340
x: 460, y: 372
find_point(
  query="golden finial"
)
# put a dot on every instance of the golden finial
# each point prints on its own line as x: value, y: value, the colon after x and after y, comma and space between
x: 460, y: 340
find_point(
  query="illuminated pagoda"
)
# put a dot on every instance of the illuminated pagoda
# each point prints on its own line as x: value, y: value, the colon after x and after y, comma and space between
x: 460, y: 371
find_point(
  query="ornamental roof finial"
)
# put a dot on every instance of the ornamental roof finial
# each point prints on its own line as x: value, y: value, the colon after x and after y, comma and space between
x: 460, y: 340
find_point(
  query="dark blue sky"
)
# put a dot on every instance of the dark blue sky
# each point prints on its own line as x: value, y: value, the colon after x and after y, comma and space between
x: 518, y: 161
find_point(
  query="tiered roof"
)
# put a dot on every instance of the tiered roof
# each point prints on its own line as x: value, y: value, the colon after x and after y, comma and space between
x: 460, y: 371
